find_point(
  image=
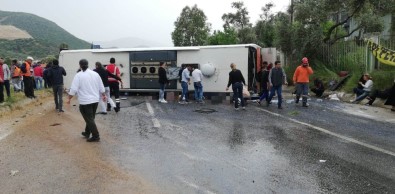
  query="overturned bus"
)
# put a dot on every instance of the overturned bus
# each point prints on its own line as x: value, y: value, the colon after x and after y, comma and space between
x: 139, y: 66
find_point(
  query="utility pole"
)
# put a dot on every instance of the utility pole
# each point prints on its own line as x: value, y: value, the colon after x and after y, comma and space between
x: 292, y: 20
x: 292, y: 11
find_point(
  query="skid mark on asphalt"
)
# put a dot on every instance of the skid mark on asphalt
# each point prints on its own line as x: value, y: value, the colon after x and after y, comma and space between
x: 332, y: 133
x: 155, y: 121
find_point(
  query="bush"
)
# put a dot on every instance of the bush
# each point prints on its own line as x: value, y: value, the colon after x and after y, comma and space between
x: 383, y: 79
x: 352, y: 82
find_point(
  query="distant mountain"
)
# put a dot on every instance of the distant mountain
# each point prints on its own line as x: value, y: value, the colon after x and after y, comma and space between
x: 129, y: 42
x: 23, y: 34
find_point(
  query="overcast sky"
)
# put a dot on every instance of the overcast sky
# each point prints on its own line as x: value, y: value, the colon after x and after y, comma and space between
x: 104, y: 20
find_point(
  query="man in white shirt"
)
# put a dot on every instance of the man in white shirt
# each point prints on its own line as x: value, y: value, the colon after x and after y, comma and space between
x: 88, y: 86
x: 197, y: 77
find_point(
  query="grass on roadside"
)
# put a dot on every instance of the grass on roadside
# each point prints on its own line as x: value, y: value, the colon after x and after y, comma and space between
x: 12, y: 102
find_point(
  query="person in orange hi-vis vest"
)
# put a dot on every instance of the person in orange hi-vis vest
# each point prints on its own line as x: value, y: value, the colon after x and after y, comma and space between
x: 301, y: 78
x: 27, y: 78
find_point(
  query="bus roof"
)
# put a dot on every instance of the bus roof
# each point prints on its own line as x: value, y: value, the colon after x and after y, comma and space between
x: 188, y: 48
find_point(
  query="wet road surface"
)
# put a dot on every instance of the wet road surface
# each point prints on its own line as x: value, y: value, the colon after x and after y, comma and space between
x: 173, y: 148
x: 255, y: 151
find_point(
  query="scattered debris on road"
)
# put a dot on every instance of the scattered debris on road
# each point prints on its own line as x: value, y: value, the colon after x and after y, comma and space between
x: 14, y: 172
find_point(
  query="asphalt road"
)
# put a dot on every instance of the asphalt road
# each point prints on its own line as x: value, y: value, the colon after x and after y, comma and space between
x: 257, y: 151
x: 173, y: 148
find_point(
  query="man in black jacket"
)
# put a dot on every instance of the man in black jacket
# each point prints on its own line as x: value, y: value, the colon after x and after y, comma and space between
x: 163, y: 81
x: 55, y: 74
x: 104, y: 74
x: 237, y: 81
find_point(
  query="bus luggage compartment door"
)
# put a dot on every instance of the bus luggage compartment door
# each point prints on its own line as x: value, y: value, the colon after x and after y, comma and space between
x: 144, y: 68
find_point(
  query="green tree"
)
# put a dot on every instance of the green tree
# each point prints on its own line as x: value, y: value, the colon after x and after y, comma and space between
x: 366, y: 13
x: 227, y: 37
x: 191, y: 28
x: 240, y: 21
x: 319, y: 22
x: 63, y: 46
x: 265, y: 28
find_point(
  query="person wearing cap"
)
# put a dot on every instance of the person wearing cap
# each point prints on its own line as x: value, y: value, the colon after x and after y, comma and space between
x: 367, y: 88
x: 27, y: 77
x: 301, y: 78
x: 114, y: 84
x: 88, y: 86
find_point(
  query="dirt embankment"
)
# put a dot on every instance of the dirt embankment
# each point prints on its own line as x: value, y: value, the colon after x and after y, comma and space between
x: 43, y: 152
x: 12, y: 33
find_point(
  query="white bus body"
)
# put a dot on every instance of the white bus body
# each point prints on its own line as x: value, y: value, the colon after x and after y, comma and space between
x: 139, y: 66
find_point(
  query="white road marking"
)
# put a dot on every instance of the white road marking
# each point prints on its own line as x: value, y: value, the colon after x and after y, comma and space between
x: 155, y: 121
x: 333, y: 134
x: 150, y: 109
x: 193, y: 185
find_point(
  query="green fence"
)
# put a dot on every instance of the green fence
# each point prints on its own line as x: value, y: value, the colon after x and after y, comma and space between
x: 354, y: 55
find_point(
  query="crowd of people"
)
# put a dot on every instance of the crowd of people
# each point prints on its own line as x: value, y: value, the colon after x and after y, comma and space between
x: 270, y: 81
x: 102, y: 82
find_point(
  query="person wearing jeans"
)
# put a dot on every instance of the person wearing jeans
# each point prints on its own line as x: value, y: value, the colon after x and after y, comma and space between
x: 237, y: 80
x: 197, y: 77
x: 163, y: 81
x: 185, y: 81
x: 277, y: 78
x: 38, y: 76
x: 55, y: 74
x: 264, y: 80
x: 301, y: 78
x: 367, y: 88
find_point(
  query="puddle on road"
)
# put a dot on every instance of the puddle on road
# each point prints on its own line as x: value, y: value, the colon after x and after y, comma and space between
x: 205, y: 110
x: 133, y: 103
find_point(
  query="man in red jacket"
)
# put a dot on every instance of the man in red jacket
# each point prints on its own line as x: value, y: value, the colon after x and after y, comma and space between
x: 301, y: 78
x: 114, y: 84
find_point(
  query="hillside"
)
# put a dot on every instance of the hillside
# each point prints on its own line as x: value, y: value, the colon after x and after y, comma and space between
x: 23, y: 34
